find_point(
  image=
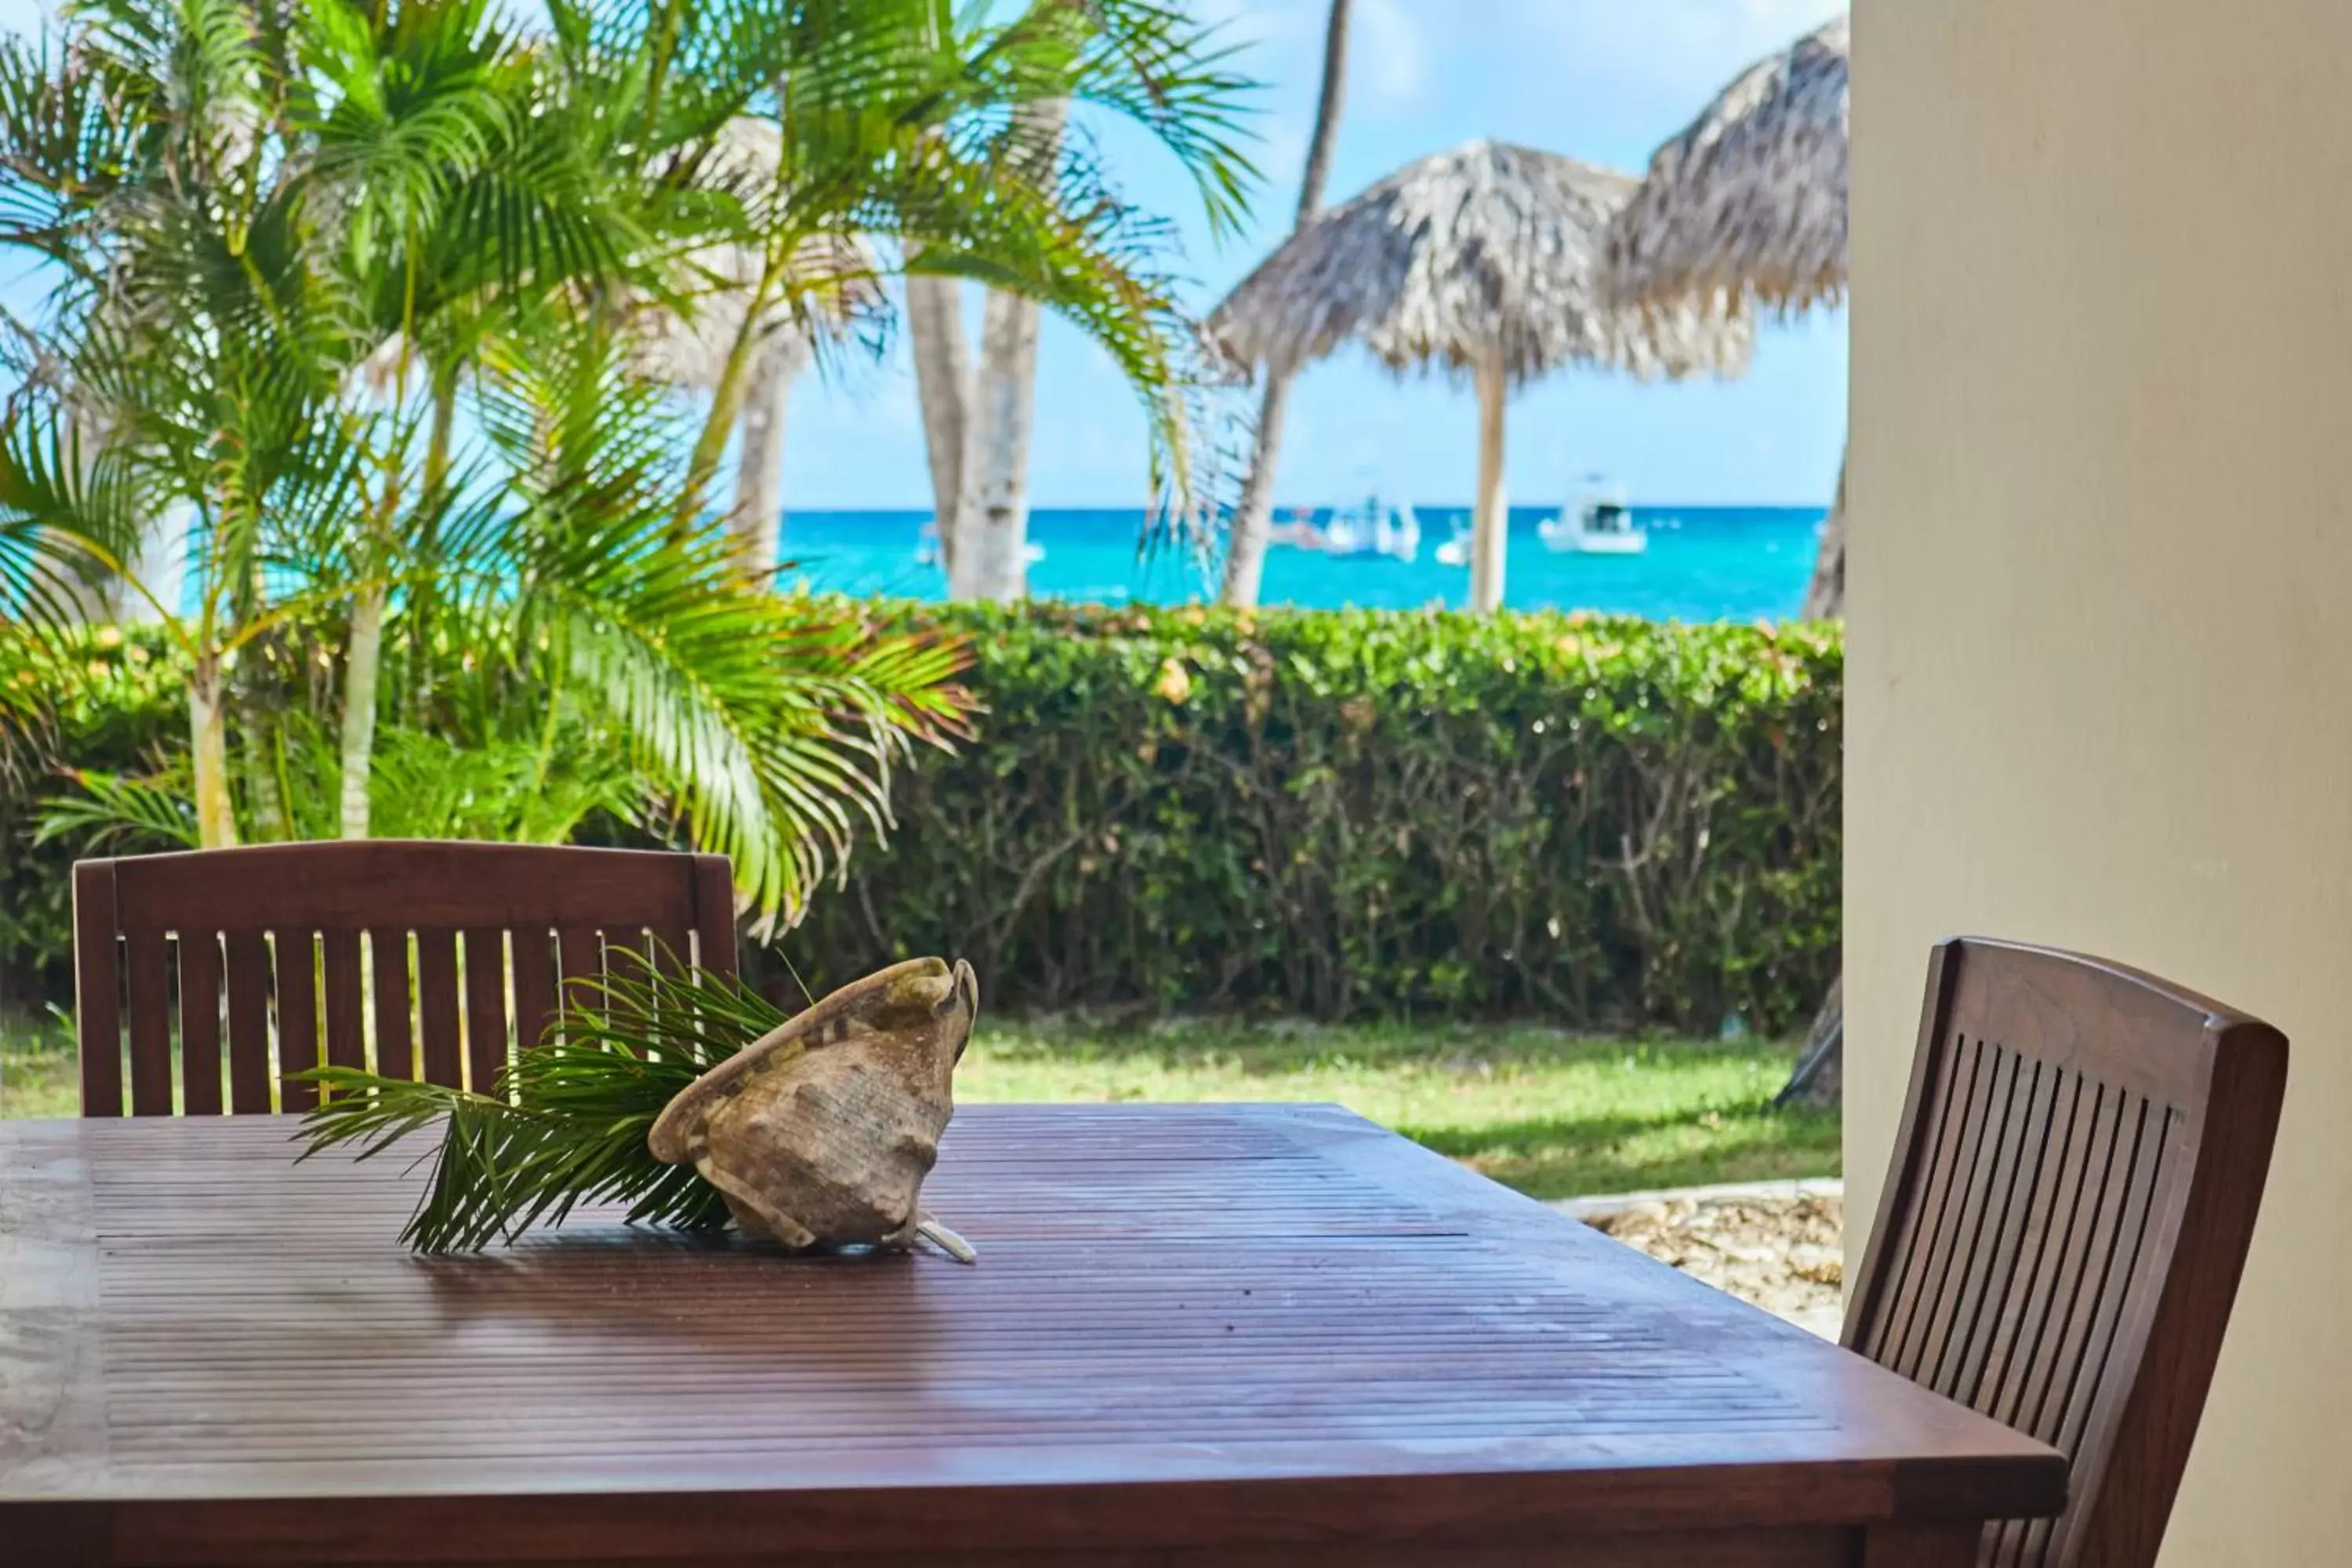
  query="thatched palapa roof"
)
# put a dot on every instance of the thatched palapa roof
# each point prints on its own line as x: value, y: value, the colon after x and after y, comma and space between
x: 836, y: 281
x: 1489, y: 248
x: 1750, y: 201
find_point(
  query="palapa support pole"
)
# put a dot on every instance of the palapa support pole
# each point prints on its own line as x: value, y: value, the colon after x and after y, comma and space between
x: 1491, y: 528
x: 1825, y: 597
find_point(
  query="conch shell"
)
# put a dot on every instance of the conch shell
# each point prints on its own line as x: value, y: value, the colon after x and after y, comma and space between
x: 820, y: 1133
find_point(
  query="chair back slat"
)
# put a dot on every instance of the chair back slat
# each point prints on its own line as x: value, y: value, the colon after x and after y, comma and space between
x: 437, y: 1010
x: 396, y: 1034
x: 579, y: 957
x: 532, y: 955
x: 671, y: 947
x: 485, y: 954
x: 714, y: 913
x: 296, y: 960
x: 200, y: 1021
x: 343, y: 1007
x: 147, y: 990
x: 2074, y: 1186
x: 247, y: 954
x: 412, y: 959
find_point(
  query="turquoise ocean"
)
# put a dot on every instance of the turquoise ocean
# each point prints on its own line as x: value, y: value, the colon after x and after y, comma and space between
x: 1704, y: 563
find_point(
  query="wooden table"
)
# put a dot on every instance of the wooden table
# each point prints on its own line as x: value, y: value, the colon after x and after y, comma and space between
x: 1197, y: 1334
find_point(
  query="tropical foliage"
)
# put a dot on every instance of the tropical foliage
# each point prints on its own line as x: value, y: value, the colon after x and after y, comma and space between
x: 1362, y: 815
x: 353, y: 373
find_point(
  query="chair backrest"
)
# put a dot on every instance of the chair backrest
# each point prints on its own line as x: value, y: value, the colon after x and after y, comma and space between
x: 2074, y: 1188
x: 437, y: 945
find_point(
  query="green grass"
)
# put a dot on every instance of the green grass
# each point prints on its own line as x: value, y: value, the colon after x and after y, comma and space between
x: 36, y: 1068
x: 1551, y: 1114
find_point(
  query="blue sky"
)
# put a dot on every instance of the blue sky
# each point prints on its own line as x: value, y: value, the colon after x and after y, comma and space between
x: 1604, y: 80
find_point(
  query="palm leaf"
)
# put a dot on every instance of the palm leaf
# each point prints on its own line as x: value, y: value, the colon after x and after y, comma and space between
x: 567, y: 1121
x: 127, y: 813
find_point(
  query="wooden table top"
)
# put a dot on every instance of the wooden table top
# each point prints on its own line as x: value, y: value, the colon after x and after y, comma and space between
x: 1190, y: 1326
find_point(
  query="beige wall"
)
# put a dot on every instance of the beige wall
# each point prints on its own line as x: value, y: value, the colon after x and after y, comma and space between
x: 2100, y: 686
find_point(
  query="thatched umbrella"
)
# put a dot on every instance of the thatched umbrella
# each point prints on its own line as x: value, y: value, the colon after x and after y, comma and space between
x: 1486, y: 260
x: 1749, y: 205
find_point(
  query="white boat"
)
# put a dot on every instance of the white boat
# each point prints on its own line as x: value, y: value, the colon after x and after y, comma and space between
x: 1455, y: 550
x: 1374, y: 528
x: 926, y: 548
x: 1599, y: 523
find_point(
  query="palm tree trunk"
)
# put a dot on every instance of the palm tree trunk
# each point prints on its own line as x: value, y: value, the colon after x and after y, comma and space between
x: 727, y: 396
x: 756, y: 523
x: 420, y: 673
x: 1825, y: 596
x: 209, y: 748
x: 1246, y: 539
x: 993, y: 515
x: 943, y: 387
x: 262, y: 794
x: 437, y: 438
x: 991, y: 551
x: 362, y: 663
x: 1246, y: 547
x: 726, y: 408
x: 1491, y: 526
x: 1818, y: 1077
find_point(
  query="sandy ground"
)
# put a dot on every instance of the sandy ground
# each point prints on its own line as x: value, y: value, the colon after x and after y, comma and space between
x: 1781, y: 1251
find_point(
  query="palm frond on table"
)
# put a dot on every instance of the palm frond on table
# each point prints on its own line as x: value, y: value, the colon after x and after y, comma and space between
x: 565, y: 1123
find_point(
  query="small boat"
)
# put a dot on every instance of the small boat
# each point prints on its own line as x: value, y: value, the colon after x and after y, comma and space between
x: 1295, y: 527
x: 1456, y: 551
x: 1599, y: 523
x: 926, y: 548
x: 1373, y: 528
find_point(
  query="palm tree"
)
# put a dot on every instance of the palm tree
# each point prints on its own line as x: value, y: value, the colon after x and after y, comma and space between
x: 287, y: 246
x: 196, y: 336
x: 431, y: 137
x: 1246, y: 547
x: 769, y: 721
x: 264, y: 311
x: 942, y: 356
x: 902, y: 121
x: 1147, y: 63
x: 990, y: 559
x: 687, y: 342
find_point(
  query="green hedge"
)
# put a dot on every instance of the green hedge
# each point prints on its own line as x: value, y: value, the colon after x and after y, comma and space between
x: 132, y: 709
x: 1356, y: 813
x: 1341, y: 814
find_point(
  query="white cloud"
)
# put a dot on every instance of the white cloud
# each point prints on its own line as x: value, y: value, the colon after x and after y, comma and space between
x: 1390, y: 56
x: 1677, y: 47
x: 1280, y: 35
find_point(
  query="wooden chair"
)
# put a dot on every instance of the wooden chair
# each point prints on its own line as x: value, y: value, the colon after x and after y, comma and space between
x: 2074, y: 1188
x: 277, y: 932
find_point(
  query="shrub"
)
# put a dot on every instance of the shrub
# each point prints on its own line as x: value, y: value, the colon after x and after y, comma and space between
x: 1360, y: 813
x: 123, y: 711
x: 1342, y: 814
